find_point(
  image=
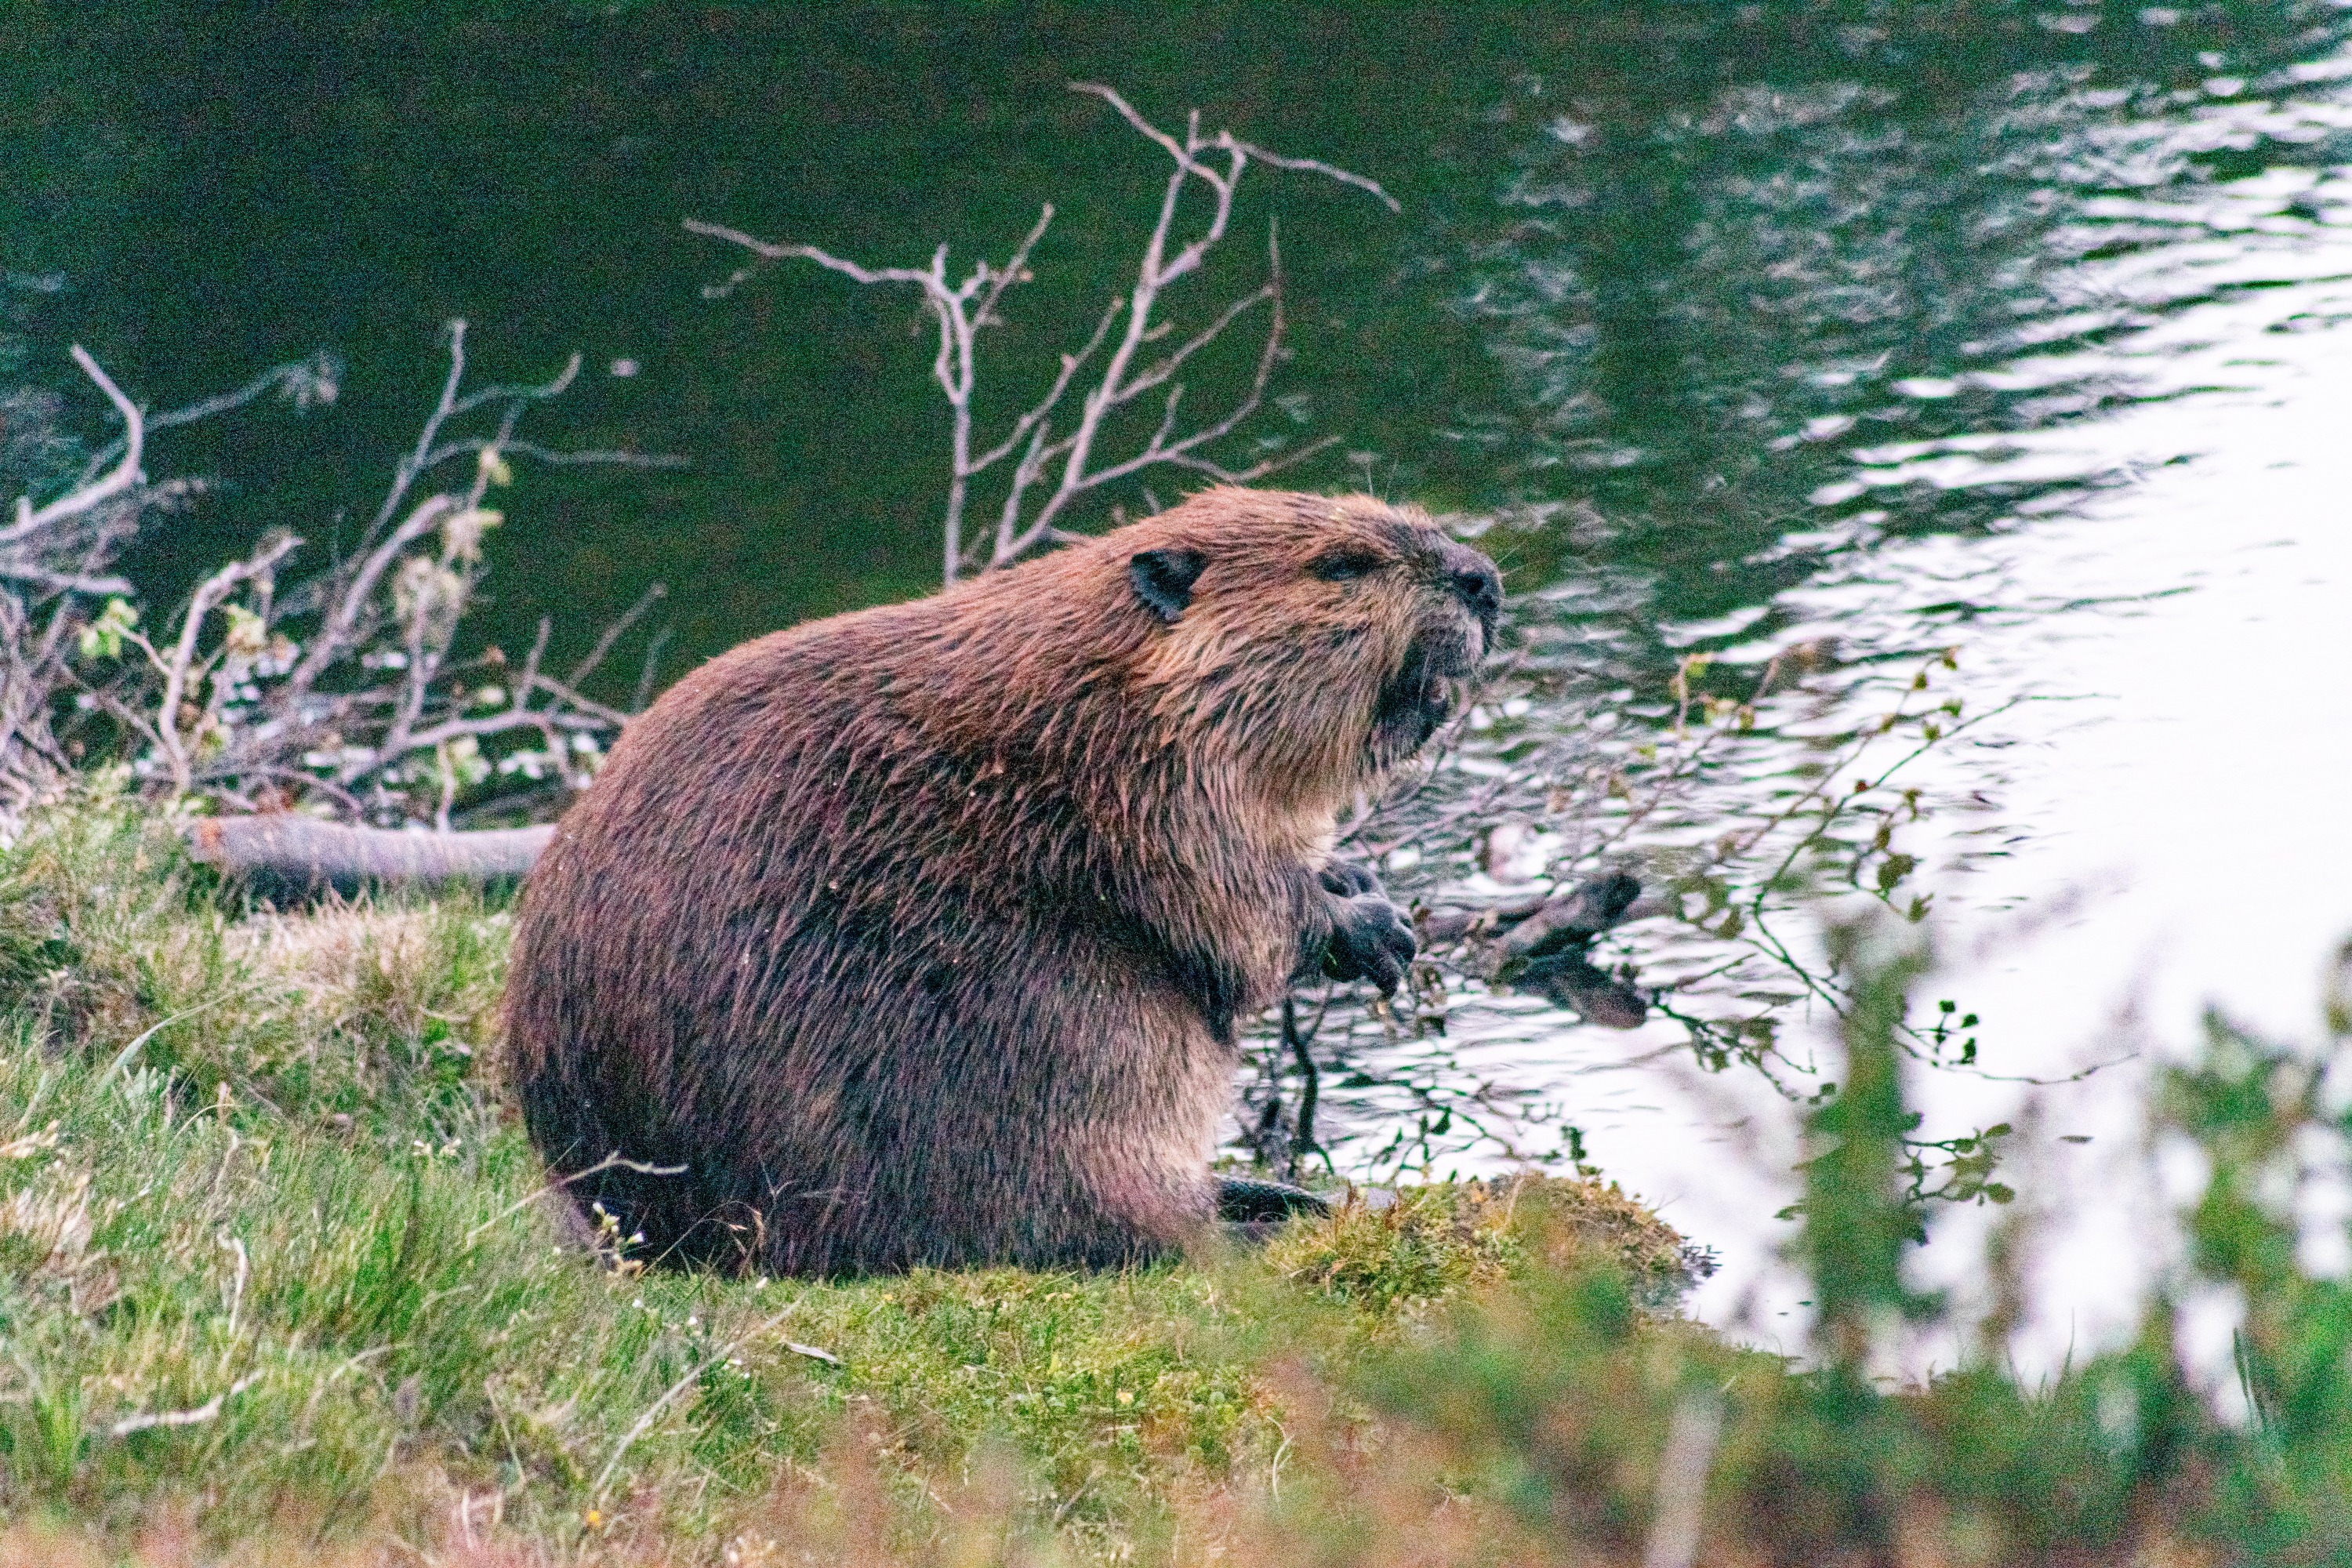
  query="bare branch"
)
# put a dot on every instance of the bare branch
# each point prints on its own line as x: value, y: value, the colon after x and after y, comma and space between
x: 1014, y: 271
x: 555, y: 386
x: 826, y: 260
x: 530, y: 660
x: 31, y: 519
x: 208, y: 1410
x: 596, y: 714
x: 1145, y: 380
x: 1111, y: 358
x: 1289, y: 458
x: 554, y: 457
x: 614, y: 632
x: 1127, y: 111
x: 504, y: 721
x: 1037, y: 411
x: 611, y: 1161
x: 648, y: 670
x: 345, y: 684
x: 314, y: 380
x: 1314, y: 166
x: 336, y: 638
x: 407, y: 473
x: 66, y: 582
x: 181, y: 668
x: 1024, y: 474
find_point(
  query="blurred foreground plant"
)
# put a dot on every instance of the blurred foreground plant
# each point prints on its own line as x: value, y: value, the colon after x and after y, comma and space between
x: 1559, y: 1404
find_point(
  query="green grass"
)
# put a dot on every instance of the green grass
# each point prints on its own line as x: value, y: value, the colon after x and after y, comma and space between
x: 273, y: 1258
x: 277, y: 1282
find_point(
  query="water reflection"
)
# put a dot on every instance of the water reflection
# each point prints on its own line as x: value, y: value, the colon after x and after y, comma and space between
x: 1713, y: 305
x: 2043, y: 370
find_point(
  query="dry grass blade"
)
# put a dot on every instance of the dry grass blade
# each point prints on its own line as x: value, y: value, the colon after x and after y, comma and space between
x: 208, y: 1410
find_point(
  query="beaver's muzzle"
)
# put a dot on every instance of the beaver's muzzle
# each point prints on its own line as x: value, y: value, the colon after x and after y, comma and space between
x: 1452, y: 647
x: 1472, y: 578
x: 1422, y: 693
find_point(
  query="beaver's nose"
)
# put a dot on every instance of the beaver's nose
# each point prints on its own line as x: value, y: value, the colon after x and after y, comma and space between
x: 1474, y: 577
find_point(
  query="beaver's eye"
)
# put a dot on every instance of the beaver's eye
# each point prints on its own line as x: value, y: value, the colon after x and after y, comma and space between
x: 1343, y: 565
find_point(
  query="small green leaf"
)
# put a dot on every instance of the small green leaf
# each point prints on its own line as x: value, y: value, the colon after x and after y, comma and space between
x: 248, y: 634
x: 102, y: 638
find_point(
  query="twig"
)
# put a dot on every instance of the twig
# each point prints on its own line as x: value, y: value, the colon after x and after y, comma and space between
x: 307, y: 381
x: 612, y: 1161
x: 201, y: 1413
x: 557, y: 458
x: 1226, y: 138
x: 649, y: 671
x: 30, y: 519
x: 1050, y: 472
x: 693, y: 1375
x: 1302, y: 1136
x: 180, y: 669
x: 234, y: 713
x: 614, y: 632
x: 1682, y: 1481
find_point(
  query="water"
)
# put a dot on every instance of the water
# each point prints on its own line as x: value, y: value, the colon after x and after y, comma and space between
x: 1875, y: 330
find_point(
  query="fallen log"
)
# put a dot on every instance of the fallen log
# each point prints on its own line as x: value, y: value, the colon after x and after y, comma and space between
x: 285, y: 856
x: 1537, y: 944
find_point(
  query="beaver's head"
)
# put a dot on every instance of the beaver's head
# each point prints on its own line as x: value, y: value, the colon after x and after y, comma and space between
x: 1327, y: 638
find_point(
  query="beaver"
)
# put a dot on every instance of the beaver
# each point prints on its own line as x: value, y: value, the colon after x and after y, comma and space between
x: 919, y: 935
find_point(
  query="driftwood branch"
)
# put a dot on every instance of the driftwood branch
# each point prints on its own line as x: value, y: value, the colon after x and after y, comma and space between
x: 346, y: 689
x: 57, y: 556
x: 1542, y: 945
x: 1537, y: 944
x: 342, y: 689
x: 283, y: 856
x: 31, y: 519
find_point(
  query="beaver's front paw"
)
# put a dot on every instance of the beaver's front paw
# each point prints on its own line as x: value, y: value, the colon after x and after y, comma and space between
x: 1371, y: 939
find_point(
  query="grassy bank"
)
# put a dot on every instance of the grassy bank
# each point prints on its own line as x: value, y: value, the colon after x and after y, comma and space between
x: 275, y: 1282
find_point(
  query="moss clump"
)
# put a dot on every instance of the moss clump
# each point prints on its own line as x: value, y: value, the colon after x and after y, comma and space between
x: 1397, y: 1251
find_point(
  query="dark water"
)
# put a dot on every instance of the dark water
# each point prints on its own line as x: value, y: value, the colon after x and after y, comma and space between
x: 1642, y: 247
x: 1880, y: 327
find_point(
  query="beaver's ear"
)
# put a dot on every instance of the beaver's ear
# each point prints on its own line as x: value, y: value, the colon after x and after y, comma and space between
x: 1163, y: 579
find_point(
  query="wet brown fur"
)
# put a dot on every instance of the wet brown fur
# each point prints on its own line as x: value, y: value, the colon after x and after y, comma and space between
x: 918, y: 935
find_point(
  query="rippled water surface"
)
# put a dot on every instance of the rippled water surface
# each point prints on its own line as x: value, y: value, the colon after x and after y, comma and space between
x: 1836, y: 334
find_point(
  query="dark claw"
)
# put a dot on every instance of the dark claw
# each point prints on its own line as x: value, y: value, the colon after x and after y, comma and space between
x: 1348, y: 879
x: 1371, y: 939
